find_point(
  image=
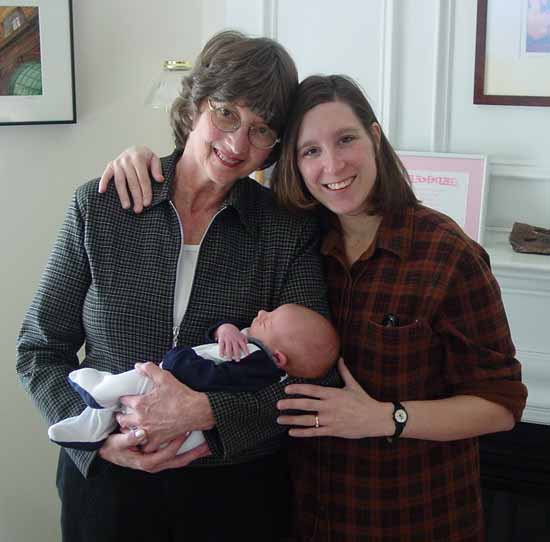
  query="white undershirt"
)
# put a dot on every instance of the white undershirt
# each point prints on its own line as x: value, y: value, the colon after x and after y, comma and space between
x: 187, y: 264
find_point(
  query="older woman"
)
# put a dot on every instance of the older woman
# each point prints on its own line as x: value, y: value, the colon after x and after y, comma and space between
x: 212, y: 245
x: 392, y: 456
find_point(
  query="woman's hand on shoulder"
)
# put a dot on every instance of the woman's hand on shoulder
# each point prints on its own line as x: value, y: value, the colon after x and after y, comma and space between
x: 348, y: 412
x: 130, y: 171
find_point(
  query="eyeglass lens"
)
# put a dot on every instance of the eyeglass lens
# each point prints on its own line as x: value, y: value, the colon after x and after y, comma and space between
x: 228, y: 120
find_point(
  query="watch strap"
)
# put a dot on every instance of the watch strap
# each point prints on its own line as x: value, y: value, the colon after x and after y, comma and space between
x: 400, y: 417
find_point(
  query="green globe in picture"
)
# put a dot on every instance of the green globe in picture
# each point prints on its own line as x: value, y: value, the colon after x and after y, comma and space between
x: 26, y: 80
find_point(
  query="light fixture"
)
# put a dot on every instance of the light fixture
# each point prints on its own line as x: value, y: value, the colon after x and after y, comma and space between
x: 168, y: 85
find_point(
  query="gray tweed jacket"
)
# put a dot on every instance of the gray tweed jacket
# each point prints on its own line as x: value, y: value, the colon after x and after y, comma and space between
x: 109, y: 284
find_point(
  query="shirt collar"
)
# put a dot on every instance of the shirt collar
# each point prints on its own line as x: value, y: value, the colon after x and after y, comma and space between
x: 238, y: 197
x: 262, y: 346
x: 395, y: 234
x: 265, y: 348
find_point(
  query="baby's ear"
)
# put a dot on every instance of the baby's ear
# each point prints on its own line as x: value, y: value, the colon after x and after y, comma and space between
x: 281, y: 359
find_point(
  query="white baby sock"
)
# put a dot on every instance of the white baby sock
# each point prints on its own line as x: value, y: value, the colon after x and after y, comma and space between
x: 85, y: 432
x: 101, y: 389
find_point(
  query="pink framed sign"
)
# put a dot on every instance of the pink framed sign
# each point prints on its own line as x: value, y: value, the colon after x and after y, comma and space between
x: 454, y: 184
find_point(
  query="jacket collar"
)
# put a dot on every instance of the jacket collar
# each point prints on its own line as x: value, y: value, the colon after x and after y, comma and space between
x: 237, y: 198
x: 162, y: 191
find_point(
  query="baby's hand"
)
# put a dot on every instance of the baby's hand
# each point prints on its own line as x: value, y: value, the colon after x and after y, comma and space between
x: 232, y: 343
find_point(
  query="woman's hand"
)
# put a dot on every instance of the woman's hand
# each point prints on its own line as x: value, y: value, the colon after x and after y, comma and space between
x: 232, y: 343
x: 347, y: 412
x: 131, y: 171
x: 123, y: 449
x: 170, y: 409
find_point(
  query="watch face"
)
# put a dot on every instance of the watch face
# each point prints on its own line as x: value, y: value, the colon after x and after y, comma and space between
x: 400, y: 415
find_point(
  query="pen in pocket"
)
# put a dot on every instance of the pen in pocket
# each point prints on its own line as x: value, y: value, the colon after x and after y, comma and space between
x: 390, y: 320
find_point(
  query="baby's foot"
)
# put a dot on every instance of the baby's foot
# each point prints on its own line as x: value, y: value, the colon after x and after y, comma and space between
x: 85, y: 432
x: 101, y: 389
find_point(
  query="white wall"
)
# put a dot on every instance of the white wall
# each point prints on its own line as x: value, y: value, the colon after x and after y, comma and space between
x: 415, y: 60
x: 119, y: 47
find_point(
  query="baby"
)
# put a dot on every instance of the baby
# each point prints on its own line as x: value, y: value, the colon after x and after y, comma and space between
x: 291, y: 340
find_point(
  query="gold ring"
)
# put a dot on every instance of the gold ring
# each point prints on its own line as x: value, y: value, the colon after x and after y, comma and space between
x: 317, y: 421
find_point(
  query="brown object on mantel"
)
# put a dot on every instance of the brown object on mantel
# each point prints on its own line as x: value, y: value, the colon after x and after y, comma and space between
x: 530, y: 239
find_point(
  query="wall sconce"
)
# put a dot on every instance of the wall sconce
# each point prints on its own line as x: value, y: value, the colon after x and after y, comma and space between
x: 167, y: 86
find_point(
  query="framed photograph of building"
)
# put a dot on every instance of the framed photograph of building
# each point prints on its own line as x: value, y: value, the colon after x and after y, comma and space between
x: 36, y: 62
x: 454, y: 184
x: 512, y: 61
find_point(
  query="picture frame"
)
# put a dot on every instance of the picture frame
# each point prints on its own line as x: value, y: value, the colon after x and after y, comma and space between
x: 37, y: 81
x: 509, y: 69
x: 454, y: 184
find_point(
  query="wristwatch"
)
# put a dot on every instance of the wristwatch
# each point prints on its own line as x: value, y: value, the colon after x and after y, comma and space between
x: 400, y: 417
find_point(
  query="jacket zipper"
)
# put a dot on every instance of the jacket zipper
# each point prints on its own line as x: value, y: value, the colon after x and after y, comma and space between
x: 176, y: 329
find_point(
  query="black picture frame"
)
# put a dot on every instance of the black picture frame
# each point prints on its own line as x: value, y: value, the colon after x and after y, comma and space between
x: 37, y: 77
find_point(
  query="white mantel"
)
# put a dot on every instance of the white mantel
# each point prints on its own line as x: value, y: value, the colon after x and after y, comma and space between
x: 525, y: 283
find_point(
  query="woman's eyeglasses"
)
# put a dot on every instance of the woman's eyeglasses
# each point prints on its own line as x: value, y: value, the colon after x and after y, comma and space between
x: 227, y: 119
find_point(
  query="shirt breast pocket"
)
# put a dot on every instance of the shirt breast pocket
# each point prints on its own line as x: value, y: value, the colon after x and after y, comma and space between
x: 401, y: 362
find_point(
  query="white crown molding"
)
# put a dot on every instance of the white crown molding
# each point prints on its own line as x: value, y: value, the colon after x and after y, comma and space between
x: 518, y: 170
x: 386, y: 77
x: 520, y: 274
x: 535, y: 292
x: 536, y: 414
x: 498, y: 230
x: 441, y: 91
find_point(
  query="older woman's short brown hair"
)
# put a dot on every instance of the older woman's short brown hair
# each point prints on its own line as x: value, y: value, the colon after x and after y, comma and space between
x: 256, y: 72
x: 392, y: 189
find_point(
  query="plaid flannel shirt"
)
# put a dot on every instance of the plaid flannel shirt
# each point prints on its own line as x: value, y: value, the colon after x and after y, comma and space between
x: 110, y: 281
x: 452, y: 338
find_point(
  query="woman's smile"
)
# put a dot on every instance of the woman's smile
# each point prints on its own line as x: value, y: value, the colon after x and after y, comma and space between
x: 340, y: 185
x: 226, y: 159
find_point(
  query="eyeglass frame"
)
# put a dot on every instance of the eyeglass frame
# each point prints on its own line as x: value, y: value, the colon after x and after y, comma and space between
x: 213, y: 109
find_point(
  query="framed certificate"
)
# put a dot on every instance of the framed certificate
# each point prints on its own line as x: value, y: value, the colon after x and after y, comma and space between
x: 454, y: 184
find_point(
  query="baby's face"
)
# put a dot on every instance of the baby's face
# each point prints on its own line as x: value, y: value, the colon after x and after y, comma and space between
x: 268, y: 326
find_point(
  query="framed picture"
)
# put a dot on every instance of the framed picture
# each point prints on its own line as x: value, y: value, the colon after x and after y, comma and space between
x: 454, y: 184
x: 512, y: 64
x: 36, y: 62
